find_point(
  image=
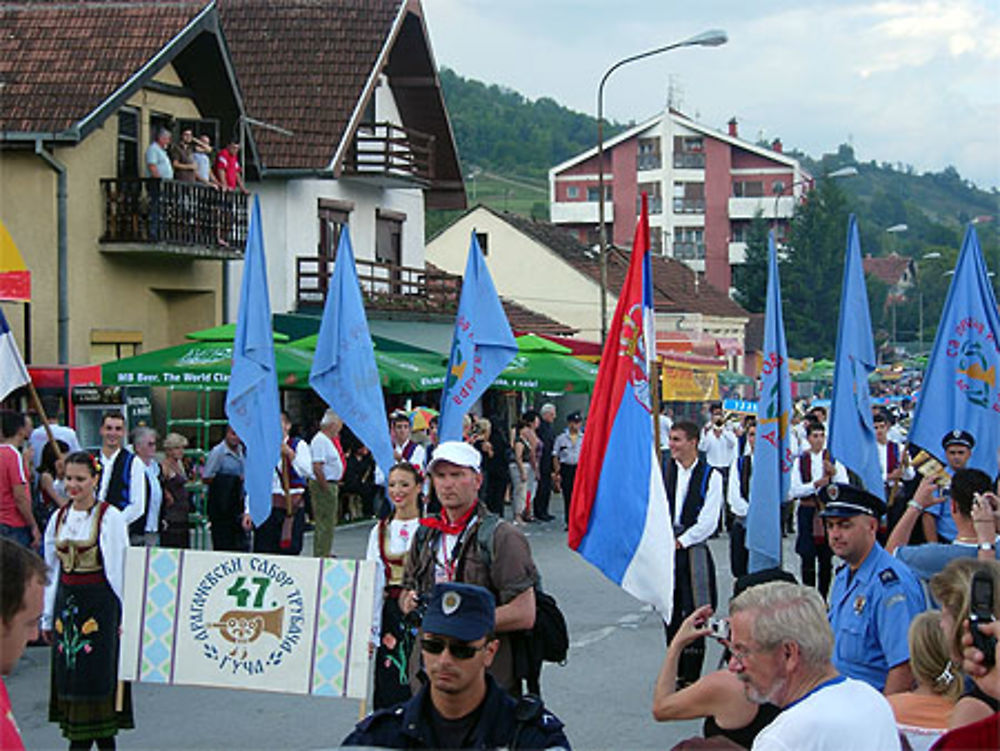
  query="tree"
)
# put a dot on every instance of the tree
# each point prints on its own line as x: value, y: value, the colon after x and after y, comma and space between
x: 812, y: 274
x: 750, y: 279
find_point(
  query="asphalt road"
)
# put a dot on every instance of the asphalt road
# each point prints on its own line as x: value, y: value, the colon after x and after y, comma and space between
x: 603, y: 694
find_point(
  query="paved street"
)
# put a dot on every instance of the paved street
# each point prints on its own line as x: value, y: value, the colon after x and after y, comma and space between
x: 603, y: 693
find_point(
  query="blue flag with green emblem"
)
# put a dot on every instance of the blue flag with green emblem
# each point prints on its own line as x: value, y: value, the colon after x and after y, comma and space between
x: 772, y: 457
x: 481, y: 347
x: 960, y: 390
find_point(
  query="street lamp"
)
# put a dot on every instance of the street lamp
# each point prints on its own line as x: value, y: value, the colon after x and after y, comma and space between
x: 920, y: 302
x: 711, y: 38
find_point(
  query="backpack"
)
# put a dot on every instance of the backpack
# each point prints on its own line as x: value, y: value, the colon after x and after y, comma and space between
x: 548, y: 639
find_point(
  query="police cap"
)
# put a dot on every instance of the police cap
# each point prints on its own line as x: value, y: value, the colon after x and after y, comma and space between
x: 462, y: 611
x: 843, y: 500
x: 958, y: 438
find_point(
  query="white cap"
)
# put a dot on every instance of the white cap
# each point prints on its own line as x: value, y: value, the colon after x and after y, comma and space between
x: 456, y: 452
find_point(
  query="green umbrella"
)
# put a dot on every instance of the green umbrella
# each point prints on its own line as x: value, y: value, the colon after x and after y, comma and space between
x: 225, y: 333
x: 535, y: 343
x: 546, y: 371
x: 200, y: 363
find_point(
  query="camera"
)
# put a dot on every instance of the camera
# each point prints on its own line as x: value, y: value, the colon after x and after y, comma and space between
x: 981, y: 611
x: 719, y: 628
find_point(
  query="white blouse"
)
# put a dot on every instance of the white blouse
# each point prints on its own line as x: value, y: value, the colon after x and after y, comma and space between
x: 113, y: 541
x: 401, y: 534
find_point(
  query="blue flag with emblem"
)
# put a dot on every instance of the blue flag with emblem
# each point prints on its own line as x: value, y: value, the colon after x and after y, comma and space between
x: 960, y: 389
x: 481, y: 347
x: 252, y: 399
x: 852, y: 433
x: 343, y: 370
x: 772, y: 457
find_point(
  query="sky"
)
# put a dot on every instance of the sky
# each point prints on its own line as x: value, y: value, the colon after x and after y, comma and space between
x: 910, y: 82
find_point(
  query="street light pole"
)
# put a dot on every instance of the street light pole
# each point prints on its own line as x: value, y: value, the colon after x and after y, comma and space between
x: 712, y: 38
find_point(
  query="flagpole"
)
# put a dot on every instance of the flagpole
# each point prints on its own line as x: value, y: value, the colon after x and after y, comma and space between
x: 45, y: 420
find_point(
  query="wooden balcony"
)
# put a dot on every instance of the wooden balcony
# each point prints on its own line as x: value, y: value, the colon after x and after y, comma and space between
x: 385, y: 286
x: 390, y: 156
x: 167, y: 217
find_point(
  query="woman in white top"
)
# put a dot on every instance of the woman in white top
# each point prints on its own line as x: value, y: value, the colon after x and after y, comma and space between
x: 85, y: 544
x: 388, y: 543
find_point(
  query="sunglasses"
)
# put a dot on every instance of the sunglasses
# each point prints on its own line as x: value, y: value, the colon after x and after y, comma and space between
x: 459, y: 650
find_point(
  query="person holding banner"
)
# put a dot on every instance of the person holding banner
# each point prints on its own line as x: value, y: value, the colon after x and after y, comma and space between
x: 388, y: 544
x: 85, y: 544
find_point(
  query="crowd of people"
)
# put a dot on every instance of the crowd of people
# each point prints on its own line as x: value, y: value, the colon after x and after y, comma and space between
x: 893, y: 632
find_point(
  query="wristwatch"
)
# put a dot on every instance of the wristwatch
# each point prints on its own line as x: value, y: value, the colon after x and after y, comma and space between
x: 986, y: 546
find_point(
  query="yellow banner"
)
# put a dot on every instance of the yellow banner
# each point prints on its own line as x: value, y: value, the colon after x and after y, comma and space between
x: 685, y: 382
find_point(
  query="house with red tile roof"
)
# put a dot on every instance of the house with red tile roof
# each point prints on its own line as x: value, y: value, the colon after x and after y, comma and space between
x: 348, y: 124
x: 120, y: 263
x: 543, y: 266
x: 898, y: 272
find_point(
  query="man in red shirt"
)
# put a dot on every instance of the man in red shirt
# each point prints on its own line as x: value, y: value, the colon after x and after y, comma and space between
x: 227, y: 168
x: 23, y: 577
x: 16, y: 520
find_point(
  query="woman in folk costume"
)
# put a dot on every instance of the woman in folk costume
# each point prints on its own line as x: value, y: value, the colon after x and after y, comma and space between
x: 85, y: 544
x: 387, y: 544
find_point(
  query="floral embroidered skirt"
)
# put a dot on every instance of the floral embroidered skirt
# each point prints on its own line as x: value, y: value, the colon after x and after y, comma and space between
x: 392, y: 683
x: 85, y: 661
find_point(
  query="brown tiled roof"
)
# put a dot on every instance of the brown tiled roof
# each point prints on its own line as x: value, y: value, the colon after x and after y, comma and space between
x: 674, y: 286
x: 59, y: 60
x: 523, y: 319
x: 887, y: 268
x: 303, y: 65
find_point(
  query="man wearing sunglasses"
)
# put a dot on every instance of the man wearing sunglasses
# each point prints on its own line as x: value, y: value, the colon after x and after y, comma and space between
x: 461, y: 706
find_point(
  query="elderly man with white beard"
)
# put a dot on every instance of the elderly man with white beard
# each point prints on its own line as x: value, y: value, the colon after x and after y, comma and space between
x: 781, y: 646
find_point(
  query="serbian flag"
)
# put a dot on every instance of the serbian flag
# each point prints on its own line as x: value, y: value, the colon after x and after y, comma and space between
x: 619, y: 518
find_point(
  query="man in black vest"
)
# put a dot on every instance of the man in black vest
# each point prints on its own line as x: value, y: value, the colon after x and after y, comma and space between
x: 738, y: 498
x: 122, y: 480
x: 694, y: 492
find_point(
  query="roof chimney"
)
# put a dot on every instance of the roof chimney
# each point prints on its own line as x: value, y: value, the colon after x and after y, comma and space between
x: 733, y: 131
x: 776, y: 145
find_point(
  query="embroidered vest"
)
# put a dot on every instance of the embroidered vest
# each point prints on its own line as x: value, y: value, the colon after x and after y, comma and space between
x: 805, y: 464
x: 81, y: 556
x: 394, y: 564
x: 119, y: 491
x: 295, y: 480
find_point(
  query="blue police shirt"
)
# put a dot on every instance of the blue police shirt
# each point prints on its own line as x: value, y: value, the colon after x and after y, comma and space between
x: 870, y: 614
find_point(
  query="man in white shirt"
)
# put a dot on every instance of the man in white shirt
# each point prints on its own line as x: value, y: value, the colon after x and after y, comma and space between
x: 144, y: 444
x: 39, y: 437
x: 283, y: 531
x: 738, y: 497
x: 328, y: 470
x: 814, y: 469
x: 123, y: 480
x: 694, y: 492
x: 403, y: 448
x: 782, y: 646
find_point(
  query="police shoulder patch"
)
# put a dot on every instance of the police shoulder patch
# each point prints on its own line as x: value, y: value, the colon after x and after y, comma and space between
x: 888, y: 576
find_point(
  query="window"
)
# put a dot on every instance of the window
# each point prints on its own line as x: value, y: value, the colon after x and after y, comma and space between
x: 106, y: 346
x: 740, y: 232
x: 689, y: 152
x: 573, y: 192
x: 655, y: 198
x: 333, y: 217
x: 656, y: 240
x: 128, y: 143
x: 689, y: 198
x: 389, y: 237
x: 689, y: 243
x: 778, y: 187
x: 748, y: 189
x: 592, y: 193
x: 484, y: 242
x: 648, y: 156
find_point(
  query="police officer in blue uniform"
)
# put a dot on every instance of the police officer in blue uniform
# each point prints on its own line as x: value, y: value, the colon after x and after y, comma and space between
x: 461, y: 706
x: 874, y: 596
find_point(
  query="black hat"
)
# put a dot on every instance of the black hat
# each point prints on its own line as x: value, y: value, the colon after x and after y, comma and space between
x: 574, y: 417
x: 843, y: 500
x: 462, y: 611
x: 958, y: 438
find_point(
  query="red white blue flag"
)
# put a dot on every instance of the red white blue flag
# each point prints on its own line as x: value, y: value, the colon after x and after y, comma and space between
x: 619, y: 519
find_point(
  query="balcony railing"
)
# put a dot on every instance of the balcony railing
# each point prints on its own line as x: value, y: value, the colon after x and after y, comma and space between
x: 688, y: 251
x: 173, y: 214
x: 688, y: 160
x: 648, y: 161
x: 385, y: 286
x: 655, y: 204
x: 389, y: 153
x: 689, y: 205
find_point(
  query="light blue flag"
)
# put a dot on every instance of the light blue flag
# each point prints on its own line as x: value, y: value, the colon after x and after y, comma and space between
x: 252, y: 399
x: 481, y: 347
x: 852, y: 434
x: 772, y: 457
x: 960, y: 389
x: 343, y: 370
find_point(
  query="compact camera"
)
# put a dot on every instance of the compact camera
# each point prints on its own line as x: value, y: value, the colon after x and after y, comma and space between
x: 981, y: 611
x: 719, y: 628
